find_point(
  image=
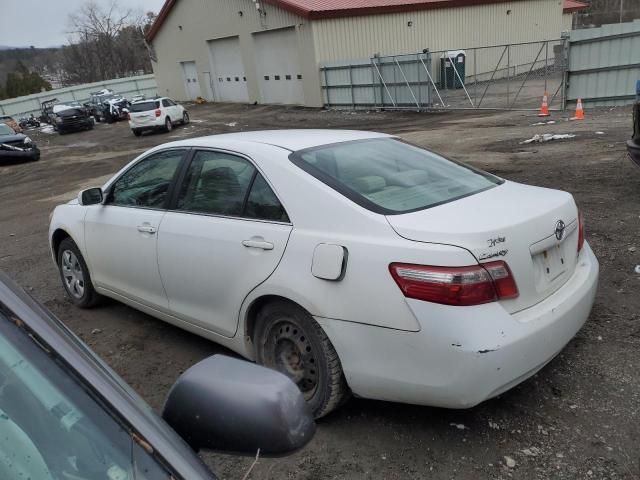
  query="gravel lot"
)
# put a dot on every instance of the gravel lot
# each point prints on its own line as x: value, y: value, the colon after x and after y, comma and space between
x: 578, y: 418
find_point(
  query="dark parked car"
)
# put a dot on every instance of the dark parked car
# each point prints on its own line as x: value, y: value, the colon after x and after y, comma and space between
x: 71, y: 119
x: 64, y: 414
x: 16, y: 146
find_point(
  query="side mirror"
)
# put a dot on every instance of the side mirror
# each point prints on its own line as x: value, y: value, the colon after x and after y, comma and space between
x: 224, y: 403
x: 90, y: 196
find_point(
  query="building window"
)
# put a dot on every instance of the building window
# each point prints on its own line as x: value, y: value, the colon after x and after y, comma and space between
x: 244, y: 79
x: 237, y: 79
x: 228, y: 79
x: 220, y: 79
x: 276, y: 77
x: 287, y: 77
x: 299, y: 77
x: 266, y: 77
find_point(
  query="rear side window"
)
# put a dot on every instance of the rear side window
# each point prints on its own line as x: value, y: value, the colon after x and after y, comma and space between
x: 216, y: 183
x: 144, y: 106
x: 389, y: 176
x: 222, y: 184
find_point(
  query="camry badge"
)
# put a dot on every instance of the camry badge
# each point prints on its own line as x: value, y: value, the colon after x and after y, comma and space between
x: 560, y: 228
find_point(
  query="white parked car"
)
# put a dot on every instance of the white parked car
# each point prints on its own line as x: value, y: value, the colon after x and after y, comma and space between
x: 160, y: 113
x: 350, y: 261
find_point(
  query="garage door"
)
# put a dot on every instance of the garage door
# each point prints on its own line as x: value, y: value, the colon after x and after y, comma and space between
x: 190, y: 76
x: 227, y: 77
x: 278, y: 66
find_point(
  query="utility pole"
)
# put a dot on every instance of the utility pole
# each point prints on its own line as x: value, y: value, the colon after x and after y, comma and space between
x: 621, y: 10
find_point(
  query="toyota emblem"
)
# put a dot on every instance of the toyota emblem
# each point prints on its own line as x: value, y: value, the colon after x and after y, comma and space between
x: 559, y: 231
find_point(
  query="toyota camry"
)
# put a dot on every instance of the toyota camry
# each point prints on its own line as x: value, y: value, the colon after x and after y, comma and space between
x: 353, y: 262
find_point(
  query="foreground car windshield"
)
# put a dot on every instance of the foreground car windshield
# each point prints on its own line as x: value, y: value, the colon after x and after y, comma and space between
x: 391, y: 177
x: 6, y: 129
x: 52, y: 427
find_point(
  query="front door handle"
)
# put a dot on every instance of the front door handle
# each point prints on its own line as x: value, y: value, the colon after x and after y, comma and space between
x: 258, y: 244
x: 146, y: 229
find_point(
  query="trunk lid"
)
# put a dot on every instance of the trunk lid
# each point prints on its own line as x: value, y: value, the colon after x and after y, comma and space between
x: 511, y: 222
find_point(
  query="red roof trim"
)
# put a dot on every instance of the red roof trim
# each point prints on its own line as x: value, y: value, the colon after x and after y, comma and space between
x: 571, y: 6
x: 318, y: 9
x: 162, y: 16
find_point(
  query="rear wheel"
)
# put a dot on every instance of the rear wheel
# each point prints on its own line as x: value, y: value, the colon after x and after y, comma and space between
x: 75, y: 275
x: 290, y: 341
x: 137, y: 132
x: 168, y: 126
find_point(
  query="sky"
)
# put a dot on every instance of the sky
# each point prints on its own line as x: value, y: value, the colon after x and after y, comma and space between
x: 44, y: 23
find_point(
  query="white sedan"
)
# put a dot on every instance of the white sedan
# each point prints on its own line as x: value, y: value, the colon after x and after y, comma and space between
x: 351, y: 261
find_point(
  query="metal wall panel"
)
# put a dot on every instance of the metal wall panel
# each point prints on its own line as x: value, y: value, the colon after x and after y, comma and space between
x: 604, y: 64
x: 447, y: 28
x: 192, y: 23
x: 17, y: 107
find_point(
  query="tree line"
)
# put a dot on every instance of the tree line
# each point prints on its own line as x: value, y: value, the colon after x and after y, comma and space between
x: 106, y: 41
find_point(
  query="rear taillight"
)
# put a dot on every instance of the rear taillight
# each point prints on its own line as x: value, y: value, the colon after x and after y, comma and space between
x: 461, y: 286
x: 158, y: 113
x: 580, y: 231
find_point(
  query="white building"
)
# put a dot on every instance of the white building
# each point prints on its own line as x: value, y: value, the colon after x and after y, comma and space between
x: 269, y: 51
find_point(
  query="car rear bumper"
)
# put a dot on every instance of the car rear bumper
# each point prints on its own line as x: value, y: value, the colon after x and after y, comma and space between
x: 463, y: 355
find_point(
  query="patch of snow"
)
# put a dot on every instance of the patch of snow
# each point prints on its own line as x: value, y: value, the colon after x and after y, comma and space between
x: 547, y: 137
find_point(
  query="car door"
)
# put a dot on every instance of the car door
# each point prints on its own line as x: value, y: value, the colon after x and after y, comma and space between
x: 226, y: 235
x: 176, y: 113
x: 121, y: 234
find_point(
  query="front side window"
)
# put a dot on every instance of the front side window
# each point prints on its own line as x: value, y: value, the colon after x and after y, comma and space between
x: 146, y: 184
x: 222, y: 184
x: 53, y: 428
x: 389, y: 176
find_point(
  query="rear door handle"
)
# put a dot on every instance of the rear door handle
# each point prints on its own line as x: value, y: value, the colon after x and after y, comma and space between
x: 258, y: 244
x: 146, y: 229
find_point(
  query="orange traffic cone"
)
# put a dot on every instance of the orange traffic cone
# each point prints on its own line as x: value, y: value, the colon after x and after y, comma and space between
x: 579, y: 111
x: 544, y: 108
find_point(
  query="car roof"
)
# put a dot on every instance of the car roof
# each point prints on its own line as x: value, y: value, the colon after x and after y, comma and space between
x: 96, y: 374
x: 291, y: 140
x: 145, y: 100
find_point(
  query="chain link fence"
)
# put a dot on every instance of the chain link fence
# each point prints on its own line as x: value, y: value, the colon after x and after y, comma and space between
x: 509, y: 77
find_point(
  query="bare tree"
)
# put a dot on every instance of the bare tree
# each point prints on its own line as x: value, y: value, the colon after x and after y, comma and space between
x: 106, y: 41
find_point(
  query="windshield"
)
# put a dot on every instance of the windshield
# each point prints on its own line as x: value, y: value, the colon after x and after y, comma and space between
x: 389, y: 176
x: 6, y: 129
x: 52, y: 427
x: 144, y: 106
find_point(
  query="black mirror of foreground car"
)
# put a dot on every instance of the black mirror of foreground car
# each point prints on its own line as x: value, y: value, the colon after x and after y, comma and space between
x: 90, y: 196
x: 227, y: 404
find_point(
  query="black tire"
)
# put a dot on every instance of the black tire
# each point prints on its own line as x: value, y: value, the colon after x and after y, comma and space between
x: 168, y: 126
x: 72, y: 267
x: 185, y: 118
x: 136, y: 132
x: 290, y: 341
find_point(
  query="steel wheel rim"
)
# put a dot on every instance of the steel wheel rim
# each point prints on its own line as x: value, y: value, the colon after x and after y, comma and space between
x: 185, y: 117
x: 168, y: 124
x: 293, y: 356
x: 72, y: 274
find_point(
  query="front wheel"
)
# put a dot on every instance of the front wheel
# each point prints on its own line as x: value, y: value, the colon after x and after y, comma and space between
x: 185, y: 118
x: 75, y: 275
x: 136, y: 132
x: 290, y: 341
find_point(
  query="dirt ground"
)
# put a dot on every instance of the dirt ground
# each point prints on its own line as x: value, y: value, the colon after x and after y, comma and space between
x: 577, y: 418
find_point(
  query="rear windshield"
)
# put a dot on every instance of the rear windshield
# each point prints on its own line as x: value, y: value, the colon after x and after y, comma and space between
x: 144, y: 106
x: 390, y: 177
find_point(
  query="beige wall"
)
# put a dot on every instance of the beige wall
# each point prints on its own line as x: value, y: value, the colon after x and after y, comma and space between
x: 447, y: 28
x: 567, y: 22
x: 204, y: 20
